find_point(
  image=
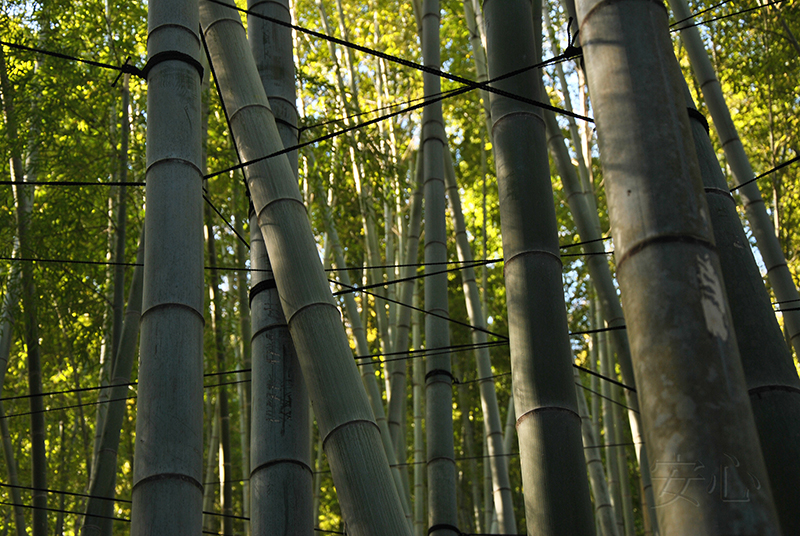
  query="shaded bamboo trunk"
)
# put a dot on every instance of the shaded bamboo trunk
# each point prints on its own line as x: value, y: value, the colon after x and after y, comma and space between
x: 492, y: 427
x: 583, y: 207
x: 609, y: 428
x: 780, y: 277
x: 442, y: 509
x: 367, y: 495
x: 281, y: 478
x: 100, y: 506
x: 769, y: 371
x: 689, y: 378
x: 548, y: 424
x: 418, y: 392
x: 167, y: 488
x: 210, y: 520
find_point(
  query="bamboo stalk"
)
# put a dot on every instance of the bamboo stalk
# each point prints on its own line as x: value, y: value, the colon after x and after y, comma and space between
x: 557, y: 498
x: 367, y: 494
x: 167, y: 487
x: 688, y: 373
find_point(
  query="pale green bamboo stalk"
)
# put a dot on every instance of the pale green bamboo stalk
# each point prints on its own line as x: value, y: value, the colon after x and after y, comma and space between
x: 99, y: 509
x: 442, y: 509
x: 603, y: 507
x: 492, y: 427
x: 622, y: 463
x: 167, y: 487
x: 418, y: 381
x: 210, y: 521
x: 688, y: 373
x: 780, y: 278
x: 367, y: 494
x: 557, y: 500
x: 609, y: 428
x: 771, y: 377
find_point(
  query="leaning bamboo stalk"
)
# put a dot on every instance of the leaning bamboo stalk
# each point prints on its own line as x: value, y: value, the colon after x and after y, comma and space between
x: 167, y: 487
x: 688, y: 373
x: 367, y: 494
x: 504, y: 507
x: 100, y: 507
x: 557, y: 498
x: 778, y: 273
x: 442, y: 509
x: 771, y: 377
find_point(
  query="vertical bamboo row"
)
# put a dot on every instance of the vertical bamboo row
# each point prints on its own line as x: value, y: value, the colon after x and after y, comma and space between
x: 368, y: 497
x: 772, y: 380
x: 548, y: 424
x: 780, y: 277
x: 167, y: 489
x: 442, y: 510
x: 689, y: 378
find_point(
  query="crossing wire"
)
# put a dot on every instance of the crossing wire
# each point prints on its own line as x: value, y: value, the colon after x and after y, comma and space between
x: 708, y: 21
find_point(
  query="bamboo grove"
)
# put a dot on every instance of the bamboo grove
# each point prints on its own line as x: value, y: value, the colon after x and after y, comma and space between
x: 427, y: 267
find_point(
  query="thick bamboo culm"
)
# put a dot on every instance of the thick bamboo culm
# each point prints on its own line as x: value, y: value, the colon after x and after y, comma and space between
x: 689, y: 378
x: 557, y: 500
x: 442, y: 509
x: 780, y: 278
x: 769, y: 371
x: 167, y: 488
x: 367, y: 494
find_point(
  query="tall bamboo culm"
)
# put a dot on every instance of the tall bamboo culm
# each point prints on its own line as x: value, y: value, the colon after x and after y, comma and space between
x: 780, y: 278
x: 167, y: 488
x: 689, y: 379
x: 442, y: 510
x: 771, y: 378
x: 367, y: 495
x: 548, y: 424
x: 493, y: 428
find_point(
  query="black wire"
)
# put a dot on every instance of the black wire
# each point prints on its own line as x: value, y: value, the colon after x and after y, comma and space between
x: 605, y: 397
x: 125, y: 519
x: 693, y: 15
x: 413, y: 354
x: 707, y: 21
x: 459, y: 382
x: 587, y: 253
x: 232, y: 228
x: 606, y: 378
x: 473, y: 264
x: 776, y: 168
x: 569, y: 53
x: 71, y: 183
x: 598, y: 330
x: 454, y: 321
x: 124, y: 68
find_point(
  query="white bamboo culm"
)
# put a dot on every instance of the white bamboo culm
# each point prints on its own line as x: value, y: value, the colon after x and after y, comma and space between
x: 689, y: 378
x: 167, y: 488
x: 367, y: 494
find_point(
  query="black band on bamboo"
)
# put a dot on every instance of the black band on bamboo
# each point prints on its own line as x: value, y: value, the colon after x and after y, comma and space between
x: 441, y: 372
x: 694, y: 114
x: 262, y: 285
x: 444, y: 526
x: 168, y: 55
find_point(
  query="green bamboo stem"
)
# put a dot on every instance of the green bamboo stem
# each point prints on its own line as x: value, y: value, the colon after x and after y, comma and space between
x: 504, y: 507
x: 418, y: 392
x: 609, y: 429
x: 99, y: 509
x: 167, y: 487
x: 209, y: 520
x: 367, y: 494
x: 557, y: 498
x: 771, y: 378
x: 778, y: 273
x: 442, y: 510
x: 689, y: 378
